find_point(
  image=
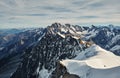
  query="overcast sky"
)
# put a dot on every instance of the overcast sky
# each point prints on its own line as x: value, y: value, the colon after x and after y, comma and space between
x: 41, y: 13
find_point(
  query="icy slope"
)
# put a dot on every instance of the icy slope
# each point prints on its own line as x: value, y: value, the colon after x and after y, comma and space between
x: 94, y: 62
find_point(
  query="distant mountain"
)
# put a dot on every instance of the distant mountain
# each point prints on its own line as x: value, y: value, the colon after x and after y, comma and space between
x: 12, y: 47
x: 106, y: 37
x: 17, y: 42
x: 34, y: 53
x: 10, y: 31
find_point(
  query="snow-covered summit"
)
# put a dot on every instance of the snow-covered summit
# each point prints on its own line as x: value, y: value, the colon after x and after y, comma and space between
x: 94, y: 62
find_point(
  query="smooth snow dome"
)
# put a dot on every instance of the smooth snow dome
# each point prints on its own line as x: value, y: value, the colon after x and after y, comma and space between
x: 94, y: 62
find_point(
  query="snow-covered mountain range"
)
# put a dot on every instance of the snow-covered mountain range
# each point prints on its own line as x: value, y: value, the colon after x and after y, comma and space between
x: 83, y: 52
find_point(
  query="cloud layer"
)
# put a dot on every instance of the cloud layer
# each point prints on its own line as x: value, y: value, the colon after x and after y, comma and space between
x: 25, y: 13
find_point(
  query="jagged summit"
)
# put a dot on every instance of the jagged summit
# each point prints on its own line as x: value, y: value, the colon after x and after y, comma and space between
x: 65, y: 30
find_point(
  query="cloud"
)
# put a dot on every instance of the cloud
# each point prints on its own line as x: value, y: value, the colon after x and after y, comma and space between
x: 88, y: 17
x: 45, y: 12
x: 40, y: 14
x: 56, y: 9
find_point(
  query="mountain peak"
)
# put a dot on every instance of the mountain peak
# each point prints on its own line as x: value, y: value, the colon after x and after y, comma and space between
x: 56, y: 24
x: 66, y: 29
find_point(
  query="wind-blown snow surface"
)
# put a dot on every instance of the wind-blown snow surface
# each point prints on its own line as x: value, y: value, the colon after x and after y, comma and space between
x: 94, y: 62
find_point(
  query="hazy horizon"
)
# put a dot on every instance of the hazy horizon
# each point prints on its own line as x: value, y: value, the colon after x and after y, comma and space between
x: 40, y: 13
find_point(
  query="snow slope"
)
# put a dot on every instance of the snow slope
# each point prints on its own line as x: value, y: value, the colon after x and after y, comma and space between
x: 94, y: 62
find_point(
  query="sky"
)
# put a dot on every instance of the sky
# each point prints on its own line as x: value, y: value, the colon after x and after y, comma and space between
x: 41, y: 13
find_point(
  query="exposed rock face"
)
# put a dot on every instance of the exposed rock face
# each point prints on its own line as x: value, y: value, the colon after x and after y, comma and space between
x: 67, y: 75
x: 51, y: 48
x: 45, y: 55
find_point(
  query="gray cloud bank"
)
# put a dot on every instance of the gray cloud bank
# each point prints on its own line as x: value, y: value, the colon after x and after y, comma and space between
x: 25, y: 13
